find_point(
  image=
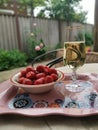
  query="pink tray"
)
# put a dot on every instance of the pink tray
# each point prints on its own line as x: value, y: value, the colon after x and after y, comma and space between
x: 16, y: 101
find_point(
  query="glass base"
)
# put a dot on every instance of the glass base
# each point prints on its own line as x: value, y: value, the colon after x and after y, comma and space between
x: 78, y: 86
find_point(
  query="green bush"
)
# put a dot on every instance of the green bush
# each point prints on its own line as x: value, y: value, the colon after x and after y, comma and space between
x: 59, y: 45
x: 12, y: 59
x: 33, y: 42
x: 88, y: 38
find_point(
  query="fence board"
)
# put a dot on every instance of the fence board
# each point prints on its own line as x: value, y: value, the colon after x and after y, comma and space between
x: 53, y: 33
x: 12, y: 34
x: 4, y: 32
x: 1, y: 34
x: 24, y: 24
x: 8, y: 31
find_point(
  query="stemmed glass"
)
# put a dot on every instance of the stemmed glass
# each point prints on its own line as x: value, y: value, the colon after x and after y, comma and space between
x: 74, y: 57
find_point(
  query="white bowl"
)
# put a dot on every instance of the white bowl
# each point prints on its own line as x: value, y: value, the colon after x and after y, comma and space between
x: 36, y: 88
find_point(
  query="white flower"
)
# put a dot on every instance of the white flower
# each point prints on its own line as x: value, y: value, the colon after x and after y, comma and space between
x: 41, y: 45
x: 34, y: 24
x: 32, y: 34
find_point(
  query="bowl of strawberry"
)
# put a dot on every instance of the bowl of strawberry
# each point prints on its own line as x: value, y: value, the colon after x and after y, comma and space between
x: 37, y: 80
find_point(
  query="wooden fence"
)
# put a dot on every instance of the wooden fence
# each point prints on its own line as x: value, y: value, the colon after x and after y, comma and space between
x: 51, y: 31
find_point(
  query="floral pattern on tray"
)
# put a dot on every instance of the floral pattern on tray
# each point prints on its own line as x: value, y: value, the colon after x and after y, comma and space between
x: 56, y: 101
x: 85, y: 99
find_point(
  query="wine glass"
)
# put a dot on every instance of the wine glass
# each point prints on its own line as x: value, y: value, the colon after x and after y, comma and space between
x: 74, y: 57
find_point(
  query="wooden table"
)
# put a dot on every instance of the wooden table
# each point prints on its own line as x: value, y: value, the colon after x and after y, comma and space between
x: 53, y: 122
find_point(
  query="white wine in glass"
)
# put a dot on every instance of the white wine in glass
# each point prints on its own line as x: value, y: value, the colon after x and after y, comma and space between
x: 74, y: 53
x: 74, y: 57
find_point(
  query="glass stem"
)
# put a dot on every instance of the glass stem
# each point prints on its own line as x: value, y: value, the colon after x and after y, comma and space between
x: 74, y: 75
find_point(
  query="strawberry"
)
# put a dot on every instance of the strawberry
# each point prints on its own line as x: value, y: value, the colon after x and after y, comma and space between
x: 52, y: 70
x: 40, y: 68
x: 27, y: 81
x: 30, y: 75
x: 39, y: 81
x: 40, y: 75
x: 23, y: 73
x: 48, y: 79
x: 20, y: 80
x: 54, y: 76
x: 46, y: 70
x: 29, y: 68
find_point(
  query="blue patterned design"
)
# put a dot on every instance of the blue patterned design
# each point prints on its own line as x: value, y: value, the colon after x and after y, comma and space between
x: 69, y: 103
x: 21, y: 101
x: 92, y: 98
x: 59, y: 101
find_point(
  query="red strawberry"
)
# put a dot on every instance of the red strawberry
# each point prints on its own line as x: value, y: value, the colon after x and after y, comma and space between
x: 39, y: 81
x: 23, y: 73
x: 54, y: 76
x: 46, y: 70
x: 20, y: 80
x: 40, y: 75
x: 48, y: 79
x: 27, y: 81
x: 52, y: 70
x: 30, y: 75
x: 40, y: 68
x: 29, y: 68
